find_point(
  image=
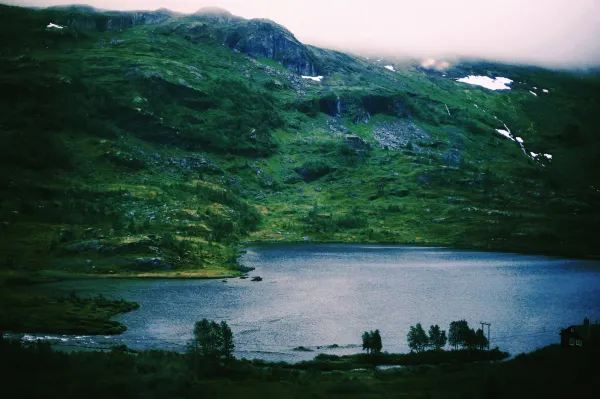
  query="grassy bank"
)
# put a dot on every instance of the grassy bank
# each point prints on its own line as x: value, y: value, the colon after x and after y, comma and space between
x: 324, y: 362
x: 25, y: 307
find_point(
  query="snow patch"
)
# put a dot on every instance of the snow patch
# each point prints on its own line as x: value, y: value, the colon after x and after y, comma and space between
x: 533, y: 92
x: 505, y: 133
x: 546, y: 91
x: 520, y: 140
x: 548, y: 156
x: 390, y: 68
x: 498, y: 83
x: 313, y: 78
x: 53, y: 26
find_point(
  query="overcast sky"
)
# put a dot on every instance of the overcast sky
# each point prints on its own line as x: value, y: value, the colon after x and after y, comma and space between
x: 545, y: 32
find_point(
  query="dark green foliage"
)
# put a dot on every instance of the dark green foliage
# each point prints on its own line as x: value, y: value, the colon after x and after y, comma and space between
x: 325, y: 362
x: 227, y: 340
x: 371, y: 342
x: 353, y: 220
x: 318, y: 221
x: 240, y: 122
x: 314, y: 169
x: 35, y: 370
x: 458, y: 334
x: 417, y: 338
x: 437, y: 337
x: 38, y: 150
x: 181, y: 248
x: 72, y: 314
x: 212, y: 340
x: 480, y: 341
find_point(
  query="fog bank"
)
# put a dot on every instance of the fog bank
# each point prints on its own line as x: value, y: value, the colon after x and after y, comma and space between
x: 551, y: 33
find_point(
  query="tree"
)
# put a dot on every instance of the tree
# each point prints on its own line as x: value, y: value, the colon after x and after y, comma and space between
x: 470, y: 339
x: 227, y: 344
x: 437, y: 337
x: 212, y: 340
x: 461, y: 335
x: 376, y: 342
x: 417, y: 338
x: 458, y: 333
x: 475, y: 339
x: 372, y: 342
x: 366, y: 341
x: 480, y: 340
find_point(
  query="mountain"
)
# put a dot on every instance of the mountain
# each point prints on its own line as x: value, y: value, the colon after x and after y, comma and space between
x: 156, y: 143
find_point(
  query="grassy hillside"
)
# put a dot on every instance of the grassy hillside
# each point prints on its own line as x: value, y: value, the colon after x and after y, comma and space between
x: 149, y: 144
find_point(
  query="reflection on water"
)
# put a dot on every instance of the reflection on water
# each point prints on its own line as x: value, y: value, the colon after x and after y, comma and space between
x: 322, y: 297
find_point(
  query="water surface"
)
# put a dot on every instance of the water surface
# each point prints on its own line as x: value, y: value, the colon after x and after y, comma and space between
x: 317, y: 296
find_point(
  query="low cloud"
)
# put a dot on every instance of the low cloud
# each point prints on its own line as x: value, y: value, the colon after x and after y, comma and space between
x: 552, y: 33
x: 438, y: 65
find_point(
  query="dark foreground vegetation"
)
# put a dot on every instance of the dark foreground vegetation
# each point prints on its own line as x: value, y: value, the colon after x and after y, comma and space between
x: 324, y: 362
x: 36, y: 371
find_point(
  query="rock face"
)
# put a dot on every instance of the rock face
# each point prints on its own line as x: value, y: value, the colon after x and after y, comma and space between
x: 258, y: 38
x: 89, y: 19
x: 263, y: 38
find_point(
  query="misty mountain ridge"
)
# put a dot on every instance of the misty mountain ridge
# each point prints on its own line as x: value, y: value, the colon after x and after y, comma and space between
x: 224, y: 17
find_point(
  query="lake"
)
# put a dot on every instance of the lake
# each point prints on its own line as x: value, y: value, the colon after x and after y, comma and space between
x: 322, y: 297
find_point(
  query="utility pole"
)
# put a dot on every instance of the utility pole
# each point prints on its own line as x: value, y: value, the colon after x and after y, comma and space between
x: 483, y: 323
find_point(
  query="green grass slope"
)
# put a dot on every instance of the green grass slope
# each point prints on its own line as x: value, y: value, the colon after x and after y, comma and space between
x: 141, y: 144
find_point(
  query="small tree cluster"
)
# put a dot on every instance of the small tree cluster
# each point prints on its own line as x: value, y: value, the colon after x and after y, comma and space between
x: 418, y: 340
x: 212, y: 340
x: 371, y: 342
x: 437, y: 337
x: 461, y: 335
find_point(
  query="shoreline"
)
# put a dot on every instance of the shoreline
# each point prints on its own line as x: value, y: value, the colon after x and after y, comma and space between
x: 557, y: 254
x: 225, y: 272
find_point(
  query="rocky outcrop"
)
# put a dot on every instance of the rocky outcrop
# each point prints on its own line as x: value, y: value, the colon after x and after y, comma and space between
x: 89, y: 19
x: 264, y: 38
x: 399, y: 134
x: 258, y: 38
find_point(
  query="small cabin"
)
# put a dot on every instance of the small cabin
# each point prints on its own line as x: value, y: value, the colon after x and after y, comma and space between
x: 570, y: 337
